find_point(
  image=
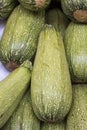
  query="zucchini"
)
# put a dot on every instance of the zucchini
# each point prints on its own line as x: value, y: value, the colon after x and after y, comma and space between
x: 12, y: 88
x: 35, y: 5
x: 6, y: 8
x: 75, y: 10
x: 19, y: 40
x: 75, y: 42
x: 77, y: 117
x: 51, y: 90
x: 23, y: 117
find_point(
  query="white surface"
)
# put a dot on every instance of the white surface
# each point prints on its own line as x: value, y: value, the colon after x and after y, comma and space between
x: 3, y: 71
x: 2, y: 26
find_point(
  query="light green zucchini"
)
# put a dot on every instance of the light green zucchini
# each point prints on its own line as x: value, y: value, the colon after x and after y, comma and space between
x: 51, y: 90
x: 19, y: 40
x: 75, y: 42
x: 77, y: 117
x: 23, y: 117
x: 12, y: 88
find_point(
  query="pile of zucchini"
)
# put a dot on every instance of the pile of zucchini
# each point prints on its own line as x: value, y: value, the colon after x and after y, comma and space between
x: 43, y: 45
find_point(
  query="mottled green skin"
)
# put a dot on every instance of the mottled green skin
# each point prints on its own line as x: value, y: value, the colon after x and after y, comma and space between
x: 6, y: 7
x: 23, y: 117
x: 57, y: 18
x: 19, y: 40
x: 69, y: 6
x: 51, y: 90
x: 49, y: 126
x: 77, y: 117
x: 12, y: 89
x: 35, y: 5
x: 75, y: 42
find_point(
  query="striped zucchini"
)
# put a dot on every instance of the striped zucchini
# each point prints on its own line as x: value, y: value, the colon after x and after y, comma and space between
x: 77, y: 117
x: 75, y: 42
x: 23, y: 117
x: 12, y: 88
x: 6, y: 8
x: 19, y: 40
x: 51, y: 90
x: 35, y: 5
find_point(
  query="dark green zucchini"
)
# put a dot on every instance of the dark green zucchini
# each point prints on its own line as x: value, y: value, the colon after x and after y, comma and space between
x: 19, y: 40
x: 57, y: 18
x: 51, y: 90
x: 76, y: 10
x: 77, y: 117
x: 35, y: 5
x: 75, y: 42
x: 6, y: 8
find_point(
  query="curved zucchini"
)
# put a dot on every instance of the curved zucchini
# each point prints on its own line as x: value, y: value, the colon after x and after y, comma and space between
x: 12, y: 88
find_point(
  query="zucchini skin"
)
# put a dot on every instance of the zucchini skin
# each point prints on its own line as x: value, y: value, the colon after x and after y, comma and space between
x: 12, y: 88
x: 23, y: 117
x: 19, y: 40
x: 51, y: 90
x: 77, y: 116
x: 75, y: 10
x: 75, y: 43
x: 35, y: 5
x: 6, y: 8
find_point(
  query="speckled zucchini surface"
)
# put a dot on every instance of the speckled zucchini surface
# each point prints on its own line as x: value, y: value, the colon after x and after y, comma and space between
x: 35, y: 5
x: 75, y: 42
x: 76, y: 10
x: 6, y: 7
x: 19, y: 40
x: 12, y: 88
x: 77, y: 117
x: 23, y: 117
x: 51, y: 90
